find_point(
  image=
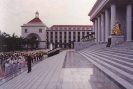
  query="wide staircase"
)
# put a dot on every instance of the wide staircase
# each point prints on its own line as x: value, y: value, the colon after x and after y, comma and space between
x: 117, y: 62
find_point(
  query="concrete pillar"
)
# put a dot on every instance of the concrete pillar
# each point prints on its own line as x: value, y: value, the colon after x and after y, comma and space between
x: 58, y: 36
x: 54, y: 38
x: 67, y: 38
x: 96, y: 32
x: 76, y: 32
x: 85, y: 33
x: 63, y: 39
x: 102, y: 28
x: 107, y: 28
x: 113, y: 15
x: 71, y: 38
x: 99, y: 29
x: 80, y: 35
x: 129, y: 23
x: 93, y: 28
x: 49, y: 38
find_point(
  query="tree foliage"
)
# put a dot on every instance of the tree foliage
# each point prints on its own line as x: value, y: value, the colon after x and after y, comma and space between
x: 15, y: 43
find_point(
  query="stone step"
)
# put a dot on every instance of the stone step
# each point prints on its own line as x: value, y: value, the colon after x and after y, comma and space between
x: 126, y: 76
x: 107, y: 57
x: 95, y: 47
x: 122, y: 49
x: 113, y: 63
x: 118, y: 52
x: 116, y: 77
x: 125, y: 58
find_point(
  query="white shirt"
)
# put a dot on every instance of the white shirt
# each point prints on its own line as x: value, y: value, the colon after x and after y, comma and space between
x: 6, y: 64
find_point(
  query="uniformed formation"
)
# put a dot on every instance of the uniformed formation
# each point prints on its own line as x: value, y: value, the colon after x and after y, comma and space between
x: 12, y: 62
x: 53, y: 52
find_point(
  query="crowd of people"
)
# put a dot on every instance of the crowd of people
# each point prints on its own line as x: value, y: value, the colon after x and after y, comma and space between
x: 53, y: 52
x: 12, y: 62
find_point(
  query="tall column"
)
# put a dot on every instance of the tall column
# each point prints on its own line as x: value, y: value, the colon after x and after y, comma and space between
x: 67, y: 38
x: 85, y: 33
x: 80, y: 35
x: 58, y: 36
x: 129, y: 23
x: 54, y: 38
x: 102, y: 28
x: 113, y: 15
x: 96, y: 32
x: 107, y: 28
x: 63, y: 39
x: 49, y: 38
x: 76, y: 36
x: 99, y: 29
x: 93, y: 26
x: 71, y: 38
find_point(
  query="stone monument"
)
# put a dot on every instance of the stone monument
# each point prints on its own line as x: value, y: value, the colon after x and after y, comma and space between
x: 116, y: 37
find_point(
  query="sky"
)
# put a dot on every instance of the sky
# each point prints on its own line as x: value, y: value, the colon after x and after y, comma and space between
x: 15, y: 13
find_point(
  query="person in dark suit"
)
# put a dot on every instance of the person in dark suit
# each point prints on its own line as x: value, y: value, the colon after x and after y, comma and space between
x: 29, y: 58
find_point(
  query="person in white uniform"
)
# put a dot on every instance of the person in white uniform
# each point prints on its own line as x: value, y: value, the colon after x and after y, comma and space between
x: 6, y: 68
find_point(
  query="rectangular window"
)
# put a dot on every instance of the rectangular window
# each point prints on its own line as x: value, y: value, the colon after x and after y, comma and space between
x: 25, y: 30
x: 40, y: 30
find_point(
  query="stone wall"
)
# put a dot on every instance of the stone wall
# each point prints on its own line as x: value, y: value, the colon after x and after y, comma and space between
x: 82, y: 45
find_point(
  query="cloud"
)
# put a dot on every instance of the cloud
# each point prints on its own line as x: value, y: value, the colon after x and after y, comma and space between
x: 15, y: 13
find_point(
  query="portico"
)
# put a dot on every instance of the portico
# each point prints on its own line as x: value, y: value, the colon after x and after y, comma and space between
x: 104, y: 15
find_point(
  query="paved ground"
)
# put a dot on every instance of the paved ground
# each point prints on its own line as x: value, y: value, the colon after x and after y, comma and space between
x: 44, y: 75
x: 75, y: 73
x: 55, y: 73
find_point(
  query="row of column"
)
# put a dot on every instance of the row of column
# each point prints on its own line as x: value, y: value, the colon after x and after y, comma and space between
x: 103, y: 25
x: 67, y: 36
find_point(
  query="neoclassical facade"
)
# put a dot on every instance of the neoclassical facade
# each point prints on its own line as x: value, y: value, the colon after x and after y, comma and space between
x: 104, y: 15
x: 62, y: 36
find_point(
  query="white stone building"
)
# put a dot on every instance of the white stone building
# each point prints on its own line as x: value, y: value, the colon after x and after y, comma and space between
x: 64, y: 35
x: 61, y: 36
x: 104, y: 14
x: 35, y: 28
